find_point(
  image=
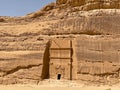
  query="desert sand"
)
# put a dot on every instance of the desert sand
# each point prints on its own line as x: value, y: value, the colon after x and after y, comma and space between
x: 58, y: 85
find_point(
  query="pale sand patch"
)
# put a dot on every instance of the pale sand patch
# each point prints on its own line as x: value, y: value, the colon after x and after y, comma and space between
x: 38, y: 87
x: 58, y: 85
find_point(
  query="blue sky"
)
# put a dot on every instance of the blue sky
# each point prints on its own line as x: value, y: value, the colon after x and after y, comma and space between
x: 21, y: 7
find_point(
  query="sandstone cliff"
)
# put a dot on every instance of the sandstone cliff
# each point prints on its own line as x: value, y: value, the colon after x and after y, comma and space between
x: 23, y: 40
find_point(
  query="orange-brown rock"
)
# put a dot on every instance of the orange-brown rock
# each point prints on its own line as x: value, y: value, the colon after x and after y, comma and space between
x: 92, y: 25
x: 91, y: 4
x: 2, y: 20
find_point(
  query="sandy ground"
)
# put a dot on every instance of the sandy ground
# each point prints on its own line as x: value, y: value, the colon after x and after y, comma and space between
x: 37, y: 87
x: 57, y: 85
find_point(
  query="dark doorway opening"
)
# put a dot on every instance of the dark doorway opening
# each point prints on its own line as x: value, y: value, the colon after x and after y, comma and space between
x: 58, y: 76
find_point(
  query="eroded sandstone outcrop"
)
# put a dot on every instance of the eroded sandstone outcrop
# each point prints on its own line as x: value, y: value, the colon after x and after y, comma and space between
x: 77, y: 5
x: 90, y: 4
x: 95, y: 24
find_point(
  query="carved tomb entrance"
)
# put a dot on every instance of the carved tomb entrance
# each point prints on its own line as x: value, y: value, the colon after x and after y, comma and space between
x: 61, y: 59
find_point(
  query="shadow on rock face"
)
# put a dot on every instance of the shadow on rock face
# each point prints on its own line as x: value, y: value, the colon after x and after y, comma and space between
x: 46, y: 60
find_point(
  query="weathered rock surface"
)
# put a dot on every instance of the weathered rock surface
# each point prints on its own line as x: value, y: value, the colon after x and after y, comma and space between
x: 98, y: 58
x: 20, y: 66
x: 90, y: 4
